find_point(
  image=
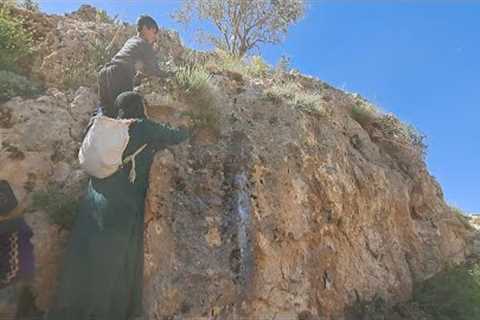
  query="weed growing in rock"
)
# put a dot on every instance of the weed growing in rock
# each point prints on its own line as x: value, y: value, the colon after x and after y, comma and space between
x: 12, y: 85
x: 16, y: 43
x: 61, y: 207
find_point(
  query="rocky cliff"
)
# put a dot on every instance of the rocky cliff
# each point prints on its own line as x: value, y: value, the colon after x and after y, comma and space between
x: 282, y: 206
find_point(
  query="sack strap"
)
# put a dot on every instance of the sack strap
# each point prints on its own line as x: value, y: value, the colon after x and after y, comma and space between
x: 131, y: 158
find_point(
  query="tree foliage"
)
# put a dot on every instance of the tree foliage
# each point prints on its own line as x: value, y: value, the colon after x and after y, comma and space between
x: 242, y: 25
x: 15, y: 41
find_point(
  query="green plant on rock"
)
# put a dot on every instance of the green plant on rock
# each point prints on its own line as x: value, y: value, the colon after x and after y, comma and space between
x: 12, y: 85
x: 60, y: 206
x: 15, y: 42
x: 452, y: 295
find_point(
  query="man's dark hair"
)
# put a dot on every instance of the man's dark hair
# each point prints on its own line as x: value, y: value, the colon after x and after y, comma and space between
x: 130, y: 105
x: 146, y: 21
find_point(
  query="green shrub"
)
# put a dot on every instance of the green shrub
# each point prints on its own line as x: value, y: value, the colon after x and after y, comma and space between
x: 12, y: 85
x: 15, y: 42
x: 60, y: 206
x: 452, y: 295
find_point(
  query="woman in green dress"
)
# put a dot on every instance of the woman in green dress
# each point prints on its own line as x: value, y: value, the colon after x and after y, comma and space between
x: 102, y: 277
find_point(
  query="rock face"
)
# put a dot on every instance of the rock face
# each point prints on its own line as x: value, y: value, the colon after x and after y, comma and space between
x: 291, y: 214
x: 276, y: 213
x: 40, y: 139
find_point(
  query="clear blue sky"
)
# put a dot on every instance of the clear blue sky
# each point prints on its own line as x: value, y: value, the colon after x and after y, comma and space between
x: 417, y: 59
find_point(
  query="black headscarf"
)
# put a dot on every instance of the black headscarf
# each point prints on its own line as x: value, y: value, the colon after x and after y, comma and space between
x: 130, y: 105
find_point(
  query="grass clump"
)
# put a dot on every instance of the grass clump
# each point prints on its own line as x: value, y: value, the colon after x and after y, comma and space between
x: 60, y: 206
x: 257, y: 67
x: 464, y: 219
x: 452, y: 295
x: 193, y: 79
x: 403, y: 132
x: 364, y: 112
x: 81, y: 69
x: 12, y: 85
x: 301, y: 99
x: 16, y: 43
x: 253, y: 66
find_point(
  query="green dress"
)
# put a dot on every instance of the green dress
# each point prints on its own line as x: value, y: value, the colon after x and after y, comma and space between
x: 102, y: 276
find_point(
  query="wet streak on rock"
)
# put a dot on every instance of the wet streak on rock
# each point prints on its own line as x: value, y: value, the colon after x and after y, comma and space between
x: 237, y: 222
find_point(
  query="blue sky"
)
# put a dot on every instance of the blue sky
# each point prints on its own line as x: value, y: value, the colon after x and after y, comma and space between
x: 418, y: 59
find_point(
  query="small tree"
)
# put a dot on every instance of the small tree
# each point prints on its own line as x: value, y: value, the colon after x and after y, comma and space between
x: 242, y: 24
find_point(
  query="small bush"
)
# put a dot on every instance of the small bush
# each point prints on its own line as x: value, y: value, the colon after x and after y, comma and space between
x: 60, y: 206
x: 452, y: 295
x: 15, y: 42
x: 12, y: 85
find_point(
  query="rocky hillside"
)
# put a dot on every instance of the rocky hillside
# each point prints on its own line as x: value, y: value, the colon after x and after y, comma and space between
x: 294, y: 200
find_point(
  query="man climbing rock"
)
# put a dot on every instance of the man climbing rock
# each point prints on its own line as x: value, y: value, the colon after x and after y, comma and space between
x: 118, y: 75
